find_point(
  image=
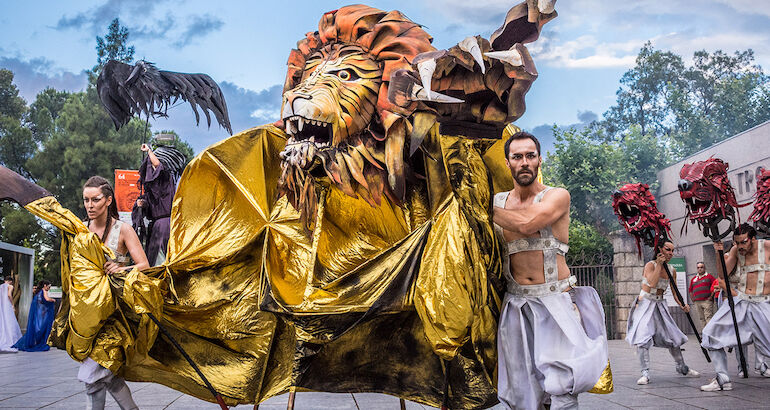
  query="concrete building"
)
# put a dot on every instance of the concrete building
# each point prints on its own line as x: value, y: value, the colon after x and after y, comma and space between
x: 745, y: 153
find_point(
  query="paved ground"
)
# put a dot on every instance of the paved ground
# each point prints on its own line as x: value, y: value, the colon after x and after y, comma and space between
x: 48, y: 380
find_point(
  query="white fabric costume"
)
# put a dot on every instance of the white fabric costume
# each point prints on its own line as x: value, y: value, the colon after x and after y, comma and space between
x: 97, y: 378
x: 758, y: 358
x: 650, y: 324
x: 10, y: 332
x: 550, y: 342
x: 752, y: 313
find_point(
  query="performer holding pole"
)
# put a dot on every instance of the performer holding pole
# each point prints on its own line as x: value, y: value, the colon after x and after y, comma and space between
x: 552, y: 338
x: 751, y: 310
x: 649, y: 319
x: 710, y: 199
x: 650, y: 323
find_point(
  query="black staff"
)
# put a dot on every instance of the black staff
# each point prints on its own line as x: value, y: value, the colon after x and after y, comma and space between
x: 675, y: 289
x: 730, y: 302
x: 217, y: 396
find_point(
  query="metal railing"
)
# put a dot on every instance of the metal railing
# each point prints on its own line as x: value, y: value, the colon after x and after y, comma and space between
x: 595, y: 270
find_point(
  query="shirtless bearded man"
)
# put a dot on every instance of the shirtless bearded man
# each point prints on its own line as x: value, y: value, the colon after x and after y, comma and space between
x: 750, y: 257
x: 552, y: 338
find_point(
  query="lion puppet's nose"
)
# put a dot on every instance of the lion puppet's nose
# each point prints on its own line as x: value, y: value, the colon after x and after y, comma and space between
x: 684, y: 185
x: 616, y: 193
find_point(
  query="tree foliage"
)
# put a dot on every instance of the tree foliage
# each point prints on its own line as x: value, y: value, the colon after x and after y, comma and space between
x: 85, y: 144
x: 643, y: 97
x: 59, y: 141
x: 694, y: 106
x: 665, y: 110
x: 113, y: 46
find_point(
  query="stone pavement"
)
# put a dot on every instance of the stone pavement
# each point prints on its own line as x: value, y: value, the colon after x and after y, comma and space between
x: 48, y: 380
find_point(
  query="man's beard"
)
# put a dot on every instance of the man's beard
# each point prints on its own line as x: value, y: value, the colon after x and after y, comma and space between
x: 526, y: 179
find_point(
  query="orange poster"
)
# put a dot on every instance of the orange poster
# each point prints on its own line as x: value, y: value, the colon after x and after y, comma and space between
x: 126, y: 188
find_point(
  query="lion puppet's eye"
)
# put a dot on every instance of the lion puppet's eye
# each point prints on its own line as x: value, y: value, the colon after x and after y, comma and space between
x: 347, y: 75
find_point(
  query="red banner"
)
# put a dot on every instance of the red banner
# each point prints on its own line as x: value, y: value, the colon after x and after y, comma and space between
x: 126, y: 189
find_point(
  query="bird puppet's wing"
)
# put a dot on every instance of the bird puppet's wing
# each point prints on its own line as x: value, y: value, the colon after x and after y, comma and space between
x: 126, y: 90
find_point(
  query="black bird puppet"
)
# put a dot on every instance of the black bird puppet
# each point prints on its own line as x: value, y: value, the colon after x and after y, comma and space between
x: 126, y: 90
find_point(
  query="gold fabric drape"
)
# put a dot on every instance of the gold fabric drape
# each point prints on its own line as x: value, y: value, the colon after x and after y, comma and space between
x: 398, y: 298
x: 384, y: 299
x: 100, y: 316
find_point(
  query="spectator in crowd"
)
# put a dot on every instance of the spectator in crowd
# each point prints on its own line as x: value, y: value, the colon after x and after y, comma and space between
x: 9, y: 326
x: 700, y: 292
x: 715, y: 291
x: 39, y: 322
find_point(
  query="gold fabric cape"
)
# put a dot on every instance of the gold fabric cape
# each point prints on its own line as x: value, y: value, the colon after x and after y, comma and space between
x: 399, y: 298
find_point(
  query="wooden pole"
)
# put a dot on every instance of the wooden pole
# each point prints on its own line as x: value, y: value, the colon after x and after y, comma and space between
x: 290, y: 406
x: 675, y: 289
x: 732, y: 312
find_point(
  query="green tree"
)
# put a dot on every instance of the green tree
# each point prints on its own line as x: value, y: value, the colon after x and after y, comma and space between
x: 690, y: 107
x: 11, y: 105
x: 113, y: 46
x: 589, y: 169
x: 16, y: 144
x: 85, y: 144
x: 44, y: 112
x: 644, y: 95
x: 585, y: 239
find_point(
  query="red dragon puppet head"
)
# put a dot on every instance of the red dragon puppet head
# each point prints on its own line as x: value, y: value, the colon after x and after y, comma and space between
x: 638, y: 213
x: 761, y: 213
x: 708, y: 195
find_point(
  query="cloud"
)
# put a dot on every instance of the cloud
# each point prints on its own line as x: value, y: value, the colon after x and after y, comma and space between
x: 592, y: 34
x: 37, y: 74
x: 544, y: 132
x: 96, y: 19
x: 157, y: 30
x: 747, y: 6
x: 199, y: 27
x: 487, y: 13
x: 138, y: 17
x: 586, y: 117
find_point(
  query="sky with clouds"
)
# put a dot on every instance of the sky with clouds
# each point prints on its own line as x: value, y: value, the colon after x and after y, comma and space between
x: 243, y: 45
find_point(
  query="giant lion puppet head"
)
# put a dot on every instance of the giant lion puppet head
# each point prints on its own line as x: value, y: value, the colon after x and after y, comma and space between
x: 363, y: 91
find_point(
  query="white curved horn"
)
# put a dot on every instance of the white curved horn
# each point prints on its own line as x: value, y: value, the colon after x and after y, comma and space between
x: 512, y: 56
x: 420, y: 93
x: 426, y: 69
x: 471, y: 45
x: 546, y: 6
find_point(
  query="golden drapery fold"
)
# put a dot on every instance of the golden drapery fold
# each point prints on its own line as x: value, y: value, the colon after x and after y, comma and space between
x: 367, y: 301
x: 101, y: 315
x: 396, y: 298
